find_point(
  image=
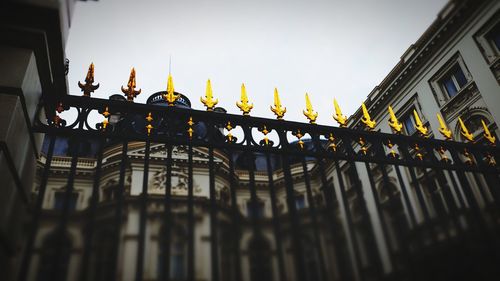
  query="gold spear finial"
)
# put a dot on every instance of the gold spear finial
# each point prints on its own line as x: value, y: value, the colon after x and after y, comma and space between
x: 130, y: 91
x: 443, y: 129
x: 309, y: 112
x: 170, y: 97
x: 244, y: 106
x: 464, y: 131
x: 90, y: 74
x: 366, y: 119
x: 209, y: 102
x: 88, y: 88
x: 393, y: 122
x: 338, y: 116
x: 487, y: 134
x: 419, y: 125
x: 278, y: 110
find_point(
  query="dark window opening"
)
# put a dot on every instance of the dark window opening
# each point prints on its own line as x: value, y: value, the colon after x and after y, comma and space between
x: 454, y: 81
x: 60, y: 198
x: 409, y: 123
x: 494, y: 37
x: 300, y: 202
x: 259, y: 213
x: 260, y: 259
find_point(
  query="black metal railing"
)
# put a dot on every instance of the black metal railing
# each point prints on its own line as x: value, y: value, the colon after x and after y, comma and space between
x: 379, y: 206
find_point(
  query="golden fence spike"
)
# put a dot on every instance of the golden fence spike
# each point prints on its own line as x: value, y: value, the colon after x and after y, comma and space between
x: 278, y: 110
x: 487, y: 134
x: 130, y: 91
x: 243, y: 105
x: 209, y: 102
x: 366, y: 119
x: 170, y: 97
x: 88, y: 88
x: 309, y: 112
x: 90, y: 74
x: 464, y: 131
x: 338, y: 116
x: 393, y: 121
x: 419, y: 125
x: 443, y: 129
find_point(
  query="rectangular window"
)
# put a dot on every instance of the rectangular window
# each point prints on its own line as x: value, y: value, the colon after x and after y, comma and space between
x: 409, y: 123
x: 300, y: 202
x: 259, y: 212
x: 351, y: 177
x: 494, y: 37
x: 454, y: 81
x: 59, y: 201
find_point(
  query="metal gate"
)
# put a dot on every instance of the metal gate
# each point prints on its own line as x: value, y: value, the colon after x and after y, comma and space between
x: 175, y: 194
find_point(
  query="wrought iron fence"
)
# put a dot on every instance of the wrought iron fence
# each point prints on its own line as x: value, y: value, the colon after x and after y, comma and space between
x: 322, y: 203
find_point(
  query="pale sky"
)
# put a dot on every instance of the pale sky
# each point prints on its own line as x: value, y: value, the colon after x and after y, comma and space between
x: 340, y: 49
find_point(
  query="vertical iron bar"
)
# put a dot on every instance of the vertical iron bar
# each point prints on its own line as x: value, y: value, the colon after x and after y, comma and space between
x: 63, y: 220
x: 143, y: 215
x: 464, y: 182
x: 346, y: 269
x: 436, y: 202
x: 493, y: 182
x: 314, y: 219
x: 25, y: 263
x: 379, y: 211
x: 481, y: 188
x: 406, y: 198
x: 374, y: 257
x: 94, y: 200
x: 294, y: 220
x: 250, y: 160
x: 349, y: 219
x: 235, y: 219
x: 401, y: 259
x: 420, y: 197
x: 119, y: 210
x: 191, y: 269
x: 276, y: 219
x: 446, y: 192
x: 490, y: 176
x: 168, y: 217
x: 456, y: 188
x: 213, y: 217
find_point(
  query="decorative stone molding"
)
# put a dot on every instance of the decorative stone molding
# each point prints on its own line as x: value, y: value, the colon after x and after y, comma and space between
x: 465, y: 98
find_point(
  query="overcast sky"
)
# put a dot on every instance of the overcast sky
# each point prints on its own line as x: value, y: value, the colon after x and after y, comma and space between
x: 340, y: 49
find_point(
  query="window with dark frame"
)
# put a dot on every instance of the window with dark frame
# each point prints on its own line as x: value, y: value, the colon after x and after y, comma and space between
x: 59, y: 200
x: 259, y: 213
x: 350, y: 176
x: 300, y: 202
x: 409, y: 123
x: 454, y: 81
x: 494, y: 37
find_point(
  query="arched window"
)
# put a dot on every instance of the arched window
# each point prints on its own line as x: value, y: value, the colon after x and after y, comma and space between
x: 47, y: 255
x: 178, y: 253
x: 260, y: 254
x: 473, y: 122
